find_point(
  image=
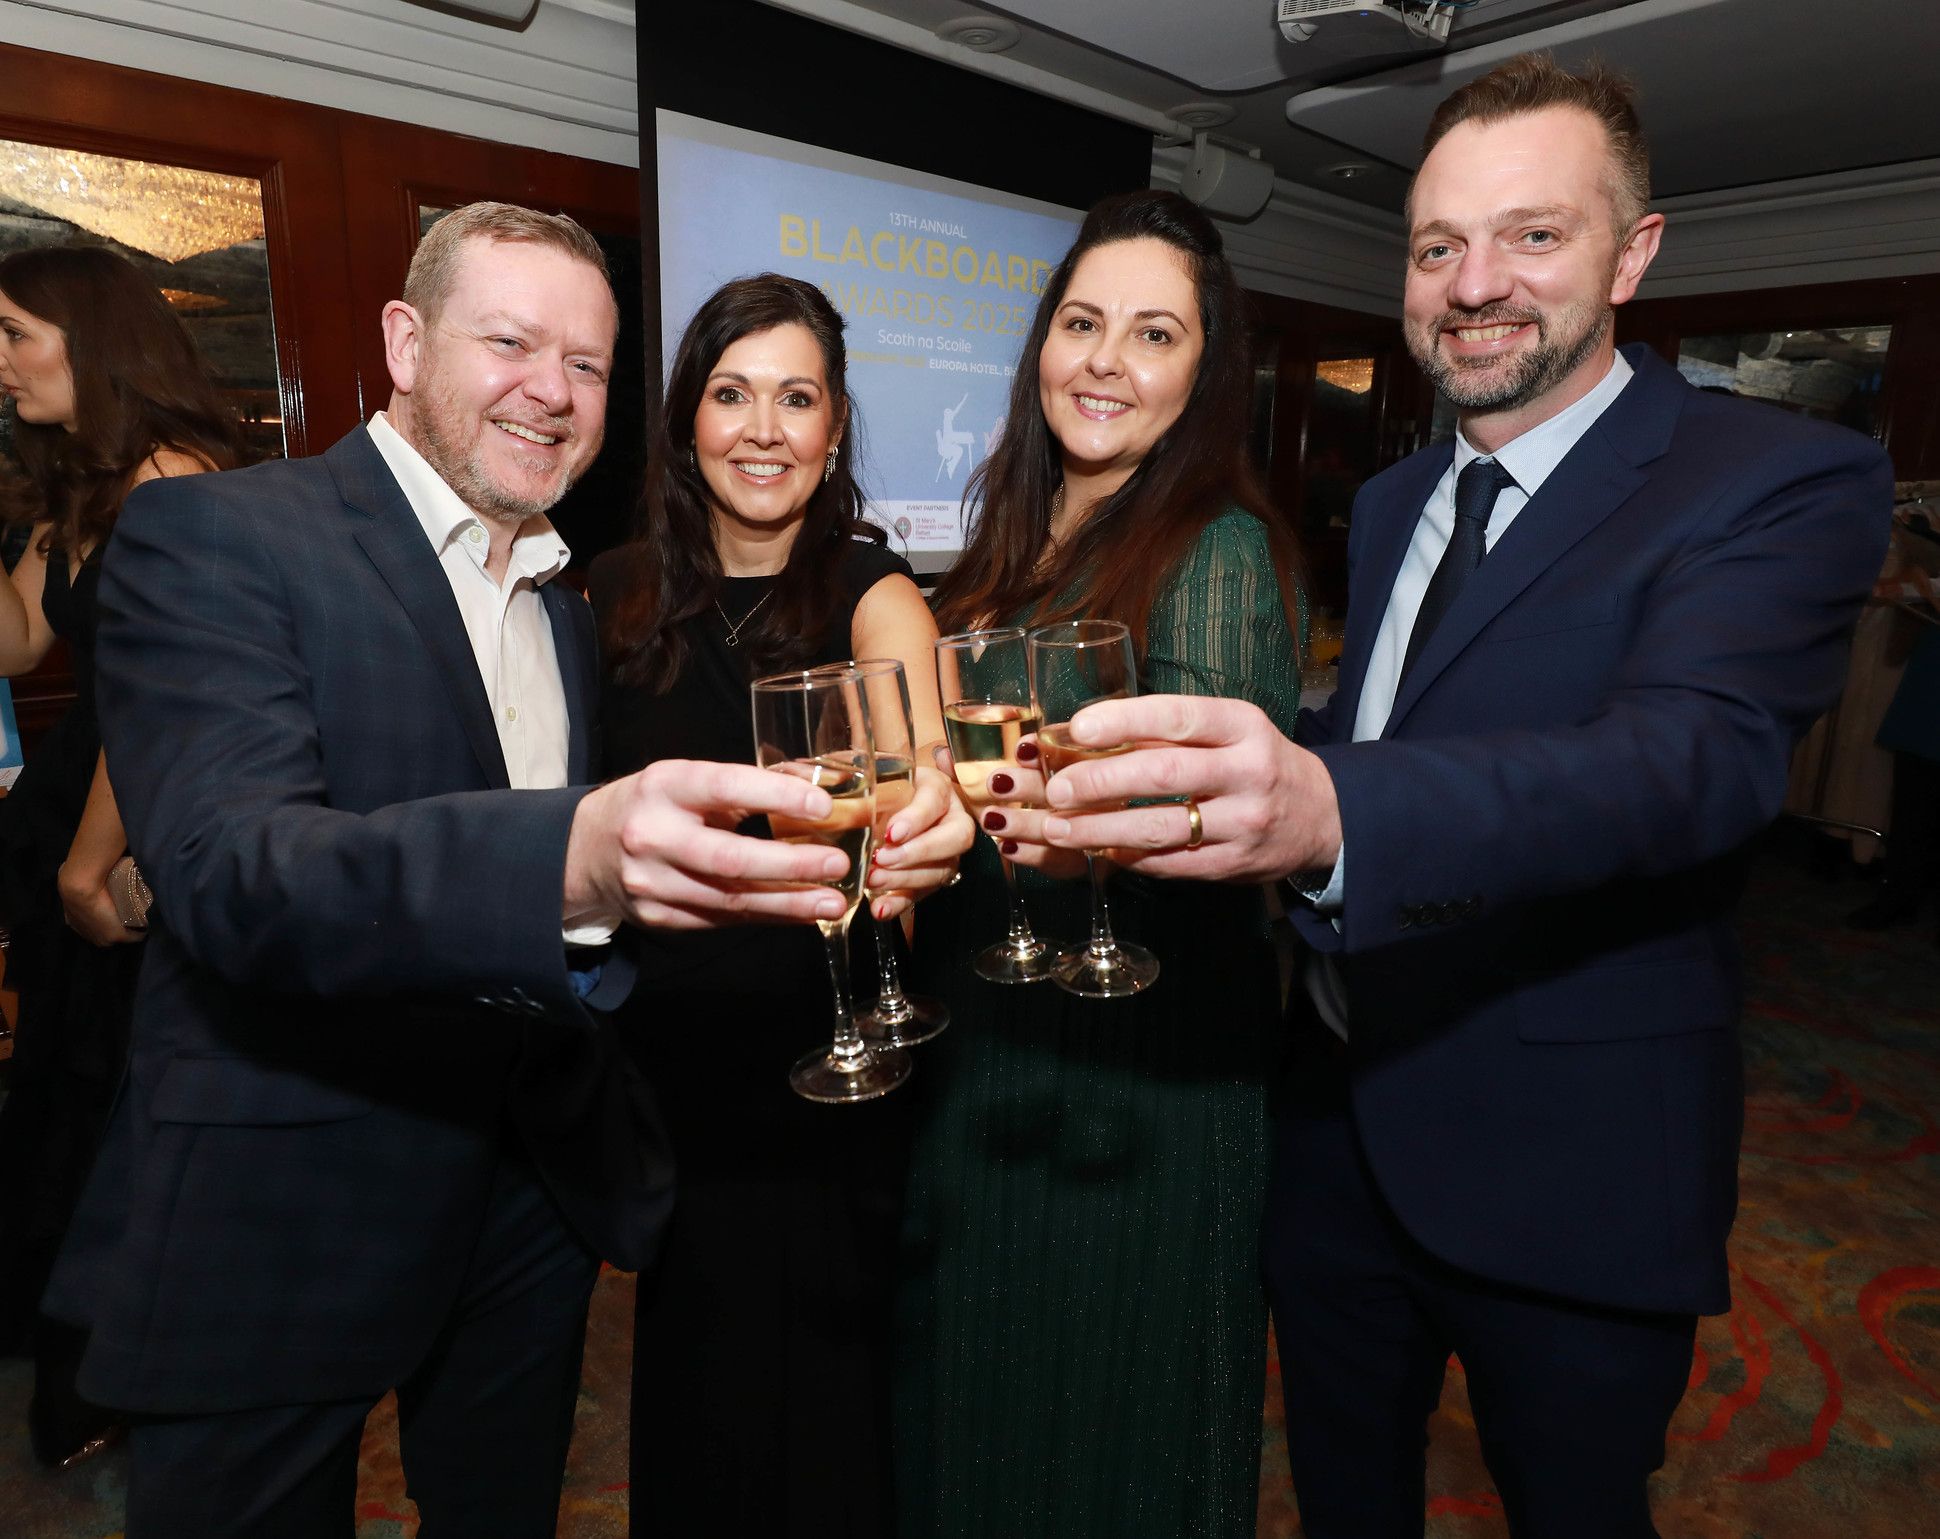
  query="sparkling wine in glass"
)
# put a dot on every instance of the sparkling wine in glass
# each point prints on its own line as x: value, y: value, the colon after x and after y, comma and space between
x: 815, y: 725
x: 1073, y: 665
x: 896, y: 1019
x: 985, y: 681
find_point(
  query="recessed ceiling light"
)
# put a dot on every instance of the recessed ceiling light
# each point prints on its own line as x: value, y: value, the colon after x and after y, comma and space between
x: 985, y: 34
x: 1347, y: 170
x: 1202, y: 114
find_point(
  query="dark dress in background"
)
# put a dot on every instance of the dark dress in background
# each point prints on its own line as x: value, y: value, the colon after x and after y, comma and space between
x: 76, y: 1002
x: 761, y: 1338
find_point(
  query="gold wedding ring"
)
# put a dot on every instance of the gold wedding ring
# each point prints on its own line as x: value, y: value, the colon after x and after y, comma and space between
x: 1195, y: 825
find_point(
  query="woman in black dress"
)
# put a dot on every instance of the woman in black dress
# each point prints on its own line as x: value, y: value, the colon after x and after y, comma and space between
x: 760, y: 1371
x: 107, y: 392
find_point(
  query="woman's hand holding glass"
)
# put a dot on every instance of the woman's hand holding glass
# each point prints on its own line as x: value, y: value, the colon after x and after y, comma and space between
x: 921, y: 845
x: 1015, y: 815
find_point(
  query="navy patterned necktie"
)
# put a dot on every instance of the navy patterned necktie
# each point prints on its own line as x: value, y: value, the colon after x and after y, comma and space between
x: 1475, y: 494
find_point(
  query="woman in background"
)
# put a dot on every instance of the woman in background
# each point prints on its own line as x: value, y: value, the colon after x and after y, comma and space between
x: 760, y: 1363
x: 1082, y: 1325
x: 107, y: 392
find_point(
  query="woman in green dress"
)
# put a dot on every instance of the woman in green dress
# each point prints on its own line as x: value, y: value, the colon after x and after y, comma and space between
x: 1082, y: 1332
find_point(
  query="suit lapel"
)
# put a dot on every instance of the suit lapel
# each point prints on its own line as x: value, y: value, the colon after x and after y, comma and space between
x: 1388, y: 528
x: 394, y: 541
x: 1599, y: 474
x: 574, y: 678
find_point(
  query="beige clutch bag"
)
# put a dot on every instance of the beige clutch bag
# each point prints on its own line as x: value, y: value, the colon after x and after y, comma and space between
x: 130, y: 893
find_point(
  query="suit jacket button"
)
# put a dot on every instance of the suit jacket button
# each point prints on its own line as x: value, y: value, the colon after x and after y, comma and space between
x: 1473, y: 906
x: 1407, y: 916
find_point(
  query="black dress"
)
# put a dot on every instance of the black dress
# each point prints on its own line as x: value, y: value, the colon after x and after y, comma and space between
x: 76, y: 1001
x: 761, y: 1340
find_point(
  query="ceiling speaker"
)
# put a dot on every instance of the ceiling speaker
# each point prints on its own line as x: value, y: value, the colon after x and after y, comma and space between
x: 1225, y: 182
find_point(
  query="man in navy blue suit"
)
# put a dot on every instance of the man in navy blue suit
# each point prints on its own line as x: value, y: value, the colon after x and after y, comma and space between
x: 1581, y: 641
x: 370, y: 1137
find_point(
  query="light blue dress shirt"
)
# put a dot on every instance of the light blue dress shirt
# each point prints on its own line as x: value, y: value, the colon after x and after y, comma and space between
x: 1529, y: 458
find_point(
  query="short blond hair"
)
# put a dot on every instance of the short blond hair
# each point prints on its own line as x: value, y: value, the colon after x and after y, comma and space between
x: 1533, y: 82
x: 434, y: 266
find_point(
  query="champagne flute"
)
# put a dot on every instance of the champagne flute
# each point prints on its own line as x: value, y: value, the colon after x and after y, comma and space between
x: 815, y: 725
x: 1074, y: 665
x: 896, y: 1019
x: 986, y: 690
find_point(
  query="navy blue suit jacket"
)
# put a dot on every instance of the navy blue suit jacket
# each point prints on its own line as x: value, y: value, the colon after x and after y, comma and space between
x: 1542, y: 849
x: 355, y: 987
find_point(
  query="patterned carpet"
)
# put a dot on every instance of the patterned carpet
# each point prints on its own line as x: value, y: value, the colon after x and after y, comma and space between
x: 1814, y: 1406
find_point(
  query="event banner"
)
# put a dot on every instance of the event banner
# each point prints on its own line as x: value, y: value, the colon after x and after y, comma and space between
x: 937, y: 280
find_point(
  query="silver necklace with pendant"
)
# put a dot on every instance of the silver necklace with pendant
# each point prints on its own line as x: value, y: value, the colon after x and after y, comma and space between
x: 733, y: 630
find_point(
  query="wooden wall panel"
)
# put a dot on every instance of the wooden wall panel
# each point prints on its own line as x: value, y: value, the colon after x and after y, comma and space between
x: 391, y: 169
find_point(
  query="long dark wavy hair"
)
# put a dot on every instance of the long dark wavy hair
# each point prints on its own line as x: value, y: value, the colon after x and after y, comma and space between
x: 673, y: 571
x: 1118, y: 562
x: 139, y: 386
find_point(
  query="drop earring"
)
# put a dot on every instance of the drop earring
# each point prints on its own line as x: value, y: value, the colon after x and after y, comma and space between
x: 694, y: 458
x: 828, y: 467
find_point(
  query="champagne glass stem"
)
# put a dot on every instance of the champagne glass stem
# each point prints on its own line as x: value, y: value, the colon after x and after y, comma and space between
x: 1022, y: 942
x: 1102, y: 946
x: 848, y: 1043
x: 891, y: 1006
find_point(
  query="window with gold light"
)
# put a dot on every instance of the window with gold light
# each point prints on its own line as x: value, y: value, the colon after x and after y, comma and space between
x: 197, y: 234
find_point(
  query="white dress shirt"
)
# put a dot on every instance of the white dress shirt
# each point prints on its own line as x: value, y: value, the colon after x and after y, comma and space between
x: 510, y: 631
x: 1529, y: 458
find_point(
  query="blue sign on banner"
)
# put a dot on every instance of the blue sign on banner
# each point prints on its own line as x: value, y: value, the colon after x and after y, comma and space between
x: 937, y: 280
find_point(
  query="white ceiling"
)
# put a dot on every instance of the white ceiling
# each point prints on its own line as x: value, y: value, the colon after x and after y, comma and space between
x: 1734, y: 93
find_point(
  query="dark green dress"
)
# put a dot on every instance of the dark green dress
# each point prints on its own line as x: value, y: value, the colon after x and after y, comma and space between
x: 1082, y: 1331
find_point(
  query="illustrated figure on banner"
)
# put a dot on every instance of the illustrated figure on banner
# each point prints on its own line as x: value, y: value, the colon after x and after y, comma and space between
x: 951, y: 442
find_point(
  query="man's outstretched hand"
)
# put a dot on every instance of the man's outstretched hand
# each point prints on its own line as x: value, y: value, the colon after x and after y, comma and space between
x: 1267, y: 808
x: 658, y: 848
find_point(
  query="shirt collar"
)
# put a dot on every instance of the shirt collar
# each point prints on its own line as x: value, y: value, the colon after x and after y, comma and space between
x: 1531, y: 456
x: 537, y: 550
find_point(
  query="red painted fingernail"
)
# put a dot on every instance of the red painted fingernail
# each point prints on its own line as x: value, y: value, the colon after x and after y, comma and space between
x: 1027, y: 753
x: 993, y: 820
x: 1008, y: 847
x: 1002, y: 784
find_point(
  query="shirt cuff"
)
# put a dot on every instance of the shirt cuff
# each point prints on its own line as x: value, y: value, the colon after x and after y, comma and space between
x: 1329, y: 902
x: 1323, y: 891
x: 590, y: 933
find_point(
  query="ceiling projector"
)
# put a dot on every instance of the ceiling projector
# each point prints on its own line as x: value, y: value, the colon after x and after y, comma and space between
x: 1365, y: 29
